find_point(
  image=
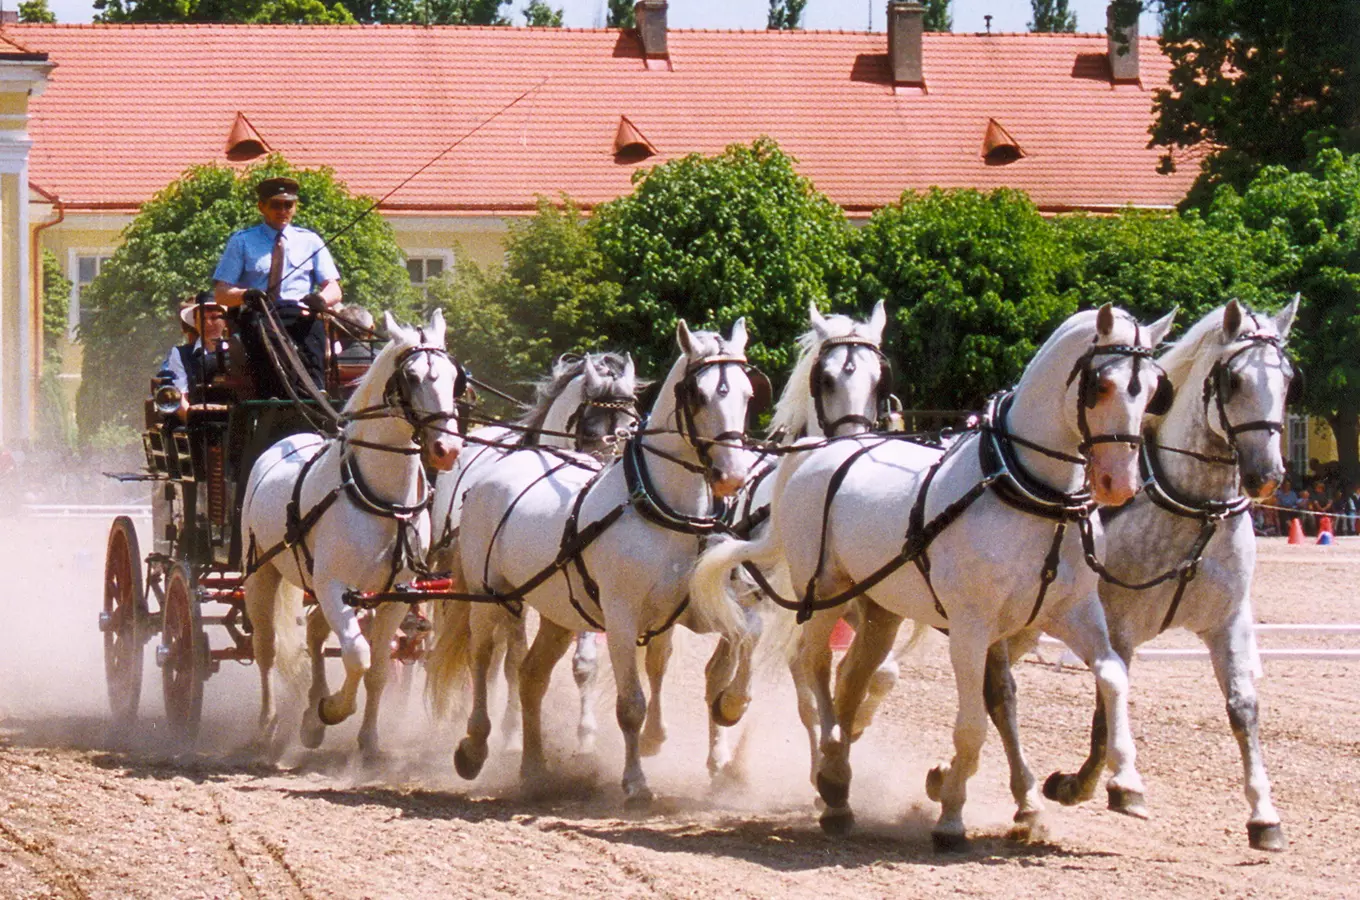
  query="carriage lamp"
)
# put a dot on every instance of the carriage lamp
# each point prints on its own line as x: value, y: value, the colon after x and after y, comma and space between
x: 166, y: 397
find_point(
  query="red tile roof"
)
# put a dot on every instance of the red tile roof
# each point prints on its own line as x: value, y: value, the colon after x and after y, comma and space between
x: 129, y: 107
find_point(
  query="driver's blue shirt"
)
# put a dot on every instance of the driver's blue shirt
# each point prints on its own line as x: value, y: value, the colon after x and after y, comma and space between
x: 307, y: 264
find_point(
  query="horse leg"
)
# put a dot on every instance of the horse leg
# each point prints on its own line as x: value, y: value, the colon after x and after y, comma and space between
x: 998, y: 691
x: 1231, y: 649
x: 872, y: 644
x: 718, y: 674
x: 516, y: 646
x: 1070, y: 789
x: 261, y: 593
x: 471, y: 754
x: 550, y: 644
x: 585, y: 666
x: 881, y: 682
x: 313, y: 730
x: 386, y: 621
x: 811, y: 670
x: 630, y: 708
x: 1083, y: 631
x: 355, y: 652
x: 658, y: 656
x: 968, y: 644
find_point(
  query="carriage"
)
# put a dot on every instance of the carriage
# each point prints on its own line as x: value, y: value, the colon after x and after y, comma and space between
x: 187, y: 592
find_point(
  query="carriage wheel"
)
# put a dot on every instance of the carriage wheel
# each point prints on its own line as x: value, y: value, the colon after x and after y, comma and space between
x: 183, y: 653
x: 123, y: 621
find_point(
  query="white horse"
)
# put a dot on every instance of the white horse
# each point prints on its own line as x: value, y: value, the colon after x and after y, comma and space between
x: 611, y: 551
x: 839, y: 386
x: 588, y: 405
x: 968, y: 518
x: 349, y: 513
x: 1190, y: 531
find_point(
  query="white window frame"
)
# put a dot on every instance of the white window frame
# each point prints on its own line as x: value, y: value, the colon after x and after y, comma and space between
x: 445, y: 255
x: 73, y: 257
x: 1299, y: 427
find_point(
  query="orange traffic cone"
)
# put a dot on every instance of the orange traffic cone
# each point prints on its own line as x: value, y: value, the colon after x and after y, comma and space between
x: 842, y: 635
x: 1295, y: 531
x: 1325, y: 530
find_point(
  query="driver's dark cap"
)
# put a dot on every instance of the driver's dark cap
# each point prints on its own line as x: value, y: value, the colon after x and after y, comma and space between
x: 282, y: 188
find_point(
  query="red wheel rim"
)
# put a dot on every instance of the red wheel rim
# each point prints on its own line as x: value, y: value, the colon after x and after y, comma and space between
x: 122, y: 610
x: 183, y: 669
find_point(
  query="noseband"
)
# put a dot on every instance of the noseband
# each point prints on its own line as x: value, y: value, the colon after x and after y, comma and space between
x: 881, y: 393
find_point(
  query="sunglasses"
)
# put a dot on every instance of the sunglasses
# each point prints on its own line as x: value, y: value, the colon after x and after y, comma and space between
x: 281, y: 204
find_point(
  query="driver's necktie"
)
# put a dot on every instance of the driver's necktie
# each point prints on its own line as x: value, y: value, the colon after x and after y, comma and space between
x: 276, y: 268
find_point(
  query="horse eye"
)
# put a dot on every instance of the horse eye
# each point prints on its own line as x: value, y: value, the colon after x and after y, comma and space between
x: 1234, y: 382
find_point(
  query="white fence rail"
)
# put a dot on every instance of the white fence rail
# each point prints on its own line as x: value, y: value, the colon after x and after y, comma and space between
x: 86, y: 511
x: 1172, y: 654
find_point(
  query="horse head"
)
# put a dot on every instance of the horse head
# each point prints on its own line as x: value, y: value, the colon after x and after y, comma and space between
x: 425, y: 385
x: 842, y: 378
x: 714, y: 387
x: 607, y: 411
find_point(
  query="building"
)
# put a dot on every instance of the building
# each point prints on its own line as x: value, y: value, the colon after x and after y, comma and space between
x: 492, y: 118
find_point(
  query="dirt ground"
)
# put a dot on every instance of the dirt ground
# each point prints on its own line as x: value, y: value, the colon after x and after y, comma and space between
x: 86, y: 813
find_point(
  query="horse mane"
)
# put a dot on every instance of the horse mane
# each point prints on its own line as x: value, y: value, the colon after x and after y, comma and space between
x: 1179, y: 361
x: 566, y: 368
x: 795, y: 409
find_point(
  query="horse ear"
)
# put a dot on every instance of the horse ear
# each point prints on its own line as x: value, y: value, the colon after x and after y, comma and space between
x: 1105, y: 320
x: 818, y: 322
x: 629, y: 374
x: 877, y: 320
x: 684, y: 338
x: 394, y: 328
x: 1284, y: 319
x: 1232, y: 319
x: 1159, y: 329
x: 592, y: 377
x: 437, y: 327
x: 737, y: 342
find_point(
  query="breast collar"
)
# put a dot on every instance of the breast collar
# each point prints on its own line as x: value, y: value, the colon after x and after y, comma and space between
x: 1160, y: 492
x: 643, y: 496
x: 1011, y: 481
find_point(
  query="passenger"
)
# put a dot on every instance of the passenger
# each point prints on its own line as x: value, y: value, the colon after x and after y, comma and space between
x: 199, y: 359
x: 287, y: 266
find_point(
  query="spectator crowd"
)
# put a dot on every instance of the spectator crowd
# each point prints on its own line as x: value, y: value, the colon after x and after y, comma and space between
x: 1308, y: 497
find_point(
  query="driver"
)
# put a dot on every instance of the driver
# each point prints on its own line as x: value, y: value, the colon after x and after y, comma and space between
x: 287, y: 266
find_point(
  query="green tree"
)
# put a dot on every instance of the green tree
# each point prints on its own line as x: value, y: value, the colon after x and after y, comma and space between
x: 169, y: 252
x: 1311, y: 223
x: 1150, y: 262
x: 1257, y: 83
x: 709, y: 239
x: 550, y: 296
x: 1052, y: 16
x: 974, y: 279
x: 56, y: 298
x: 430, y: 12
x: 937, y: 17
x: 785, y: 14
x: 301, y: 12
x: 36, y: 12
x: 621, y: 14
x: 541, y: 15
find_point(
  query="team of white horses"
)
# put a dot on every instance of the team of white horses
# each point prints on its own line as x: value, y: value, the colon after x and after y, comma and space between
x: 604, y: 520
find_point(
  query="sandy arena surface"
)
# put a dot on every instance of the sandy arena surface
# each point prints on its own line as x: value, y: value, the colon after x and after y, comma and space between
x: 84, y: 813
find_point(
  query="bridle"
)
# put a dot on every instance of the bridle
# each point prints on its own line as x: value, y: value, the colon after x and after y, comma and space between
x: 686, y: 399
x: 617, y: 433
x: 1219, y: 387
x: 397, y: 396
x: 882, y: 392
x: 1088, y: 374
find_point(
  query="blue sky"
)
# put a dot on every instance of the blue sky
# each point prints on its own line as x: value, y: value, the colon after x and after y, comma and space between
x: 851, y: 15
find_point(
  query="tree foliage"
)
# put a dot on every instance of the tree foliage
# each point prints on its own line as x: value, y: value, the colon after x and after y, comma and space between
x: 973, y: 279
x: 169, y: 252
x: 621, y: 14
x: 1052, y: 16
x: 36, y: 12
x: 709, y: 239
x: 540, y: 14
x: 309, y: 12
x: 1257, y: 83
x: 56, y: 300
x: 785, y: 15
x: 937, y: 17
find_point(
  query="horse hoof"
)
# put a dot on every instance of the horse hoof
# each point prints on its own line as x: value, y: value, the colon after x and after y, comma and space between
x: 722, y: 713
x: 837, y: 822
x: 651, y: 744
x: 934, y: 783
x: 837, y: 796
x: 325, y: 717
x: 1127, y: 802
x: 467, y: 760
x: 1025, y: 825
x: 948, y: 842
x: 1064, y: 788
x: 638, y: 800
x: 1267, y: 837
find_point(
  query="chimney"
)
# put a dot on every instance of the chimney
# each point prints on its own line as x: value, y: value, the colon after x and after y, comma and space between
x: 1121, y: 40
x: 651, y: 26
x: 906, y: 22
x: 9, y: 17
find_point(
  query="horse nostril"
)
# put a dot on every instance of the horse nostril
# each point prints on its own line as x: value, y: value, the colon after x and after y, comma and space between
x: 1252, y: 482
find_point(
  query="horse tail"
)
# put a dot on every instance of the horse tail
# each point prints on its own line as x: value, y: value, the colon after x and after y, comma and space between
x: 448, y: 663
x: 708, y: 589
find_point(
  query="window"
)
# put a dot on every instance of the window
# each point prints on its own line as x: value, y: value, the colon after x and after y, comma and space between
x: 84, y: 268
x: 424, y: 268
x: 1298, y: 446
